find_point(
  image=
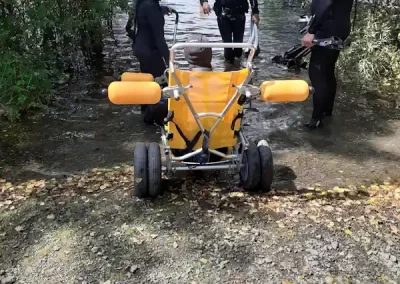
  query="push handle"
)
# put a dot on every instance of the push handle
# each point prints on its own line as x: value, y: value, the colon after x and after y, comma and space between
x: 176, y: 25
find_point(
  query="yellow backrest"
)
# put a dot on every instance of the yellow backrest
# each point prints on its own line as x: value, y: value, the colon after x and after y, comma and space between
x: 210, y: 92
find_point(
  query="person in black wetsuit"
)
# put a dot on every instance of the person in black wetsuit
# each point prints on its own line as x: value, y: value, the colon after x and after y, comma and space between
x: 332, y: 18
x: 151, y: 49
x: 232, y: 21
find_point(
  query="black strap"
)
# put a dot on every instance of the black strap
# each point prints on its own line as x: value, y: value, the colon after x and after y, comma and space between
x: 239, y: 115
x: 135, y: 21
x: 134, y: 30
x: 189, y: 143
x: 205, y: 155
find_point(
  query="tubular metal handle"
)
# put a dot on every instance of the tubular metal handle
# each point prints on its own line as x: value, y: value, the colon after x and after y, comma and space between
x: 251, y: 45
x: 253, y: 34
x: 176, y: 25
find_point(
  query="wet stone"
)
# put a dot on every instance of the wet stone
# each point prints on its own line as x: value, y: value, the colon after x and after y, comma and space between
x: 385, y: 256
x: 8, y: 280
x: 313, y: 252
x: 94, y: 249
x: 313, y: 263
x: 51, y: 217
x: 133, y: 268
x: 268, y: 260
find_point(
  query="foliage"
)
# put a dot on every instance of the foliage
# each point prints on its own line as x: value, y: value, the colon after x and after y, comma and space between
x: 372, y: 62
x: 23, y: 83
x: 37, y: 41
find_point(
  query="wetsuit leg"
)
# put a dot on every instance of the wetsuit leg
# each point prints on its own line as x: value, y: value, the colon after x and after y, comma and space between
x: 321, y: 72
x: 239, y: 25
x: 225, y: 28
x: 152, y: 63
x: 332, y: 83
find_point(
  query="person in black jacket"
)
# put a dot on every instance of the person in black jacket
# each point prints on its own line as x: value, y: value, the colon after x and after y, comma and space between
x: 150, y: 46
x: 151, y: 49
x: 332, y: 18
x: 232, y: 21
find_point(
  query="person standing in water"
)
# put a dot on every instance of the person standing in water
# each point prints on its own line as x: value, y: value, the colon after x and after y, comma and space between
x: 151, y: 49
x: 232, y: 21
x: 332, y: 18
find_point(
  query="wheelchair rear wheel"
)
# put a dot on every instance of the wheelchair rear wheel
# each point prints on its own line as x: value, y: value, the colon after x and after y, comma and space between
x: 251, y: 169
x: 140, y: 174
x: 154, y: 176
x: 267, y: 166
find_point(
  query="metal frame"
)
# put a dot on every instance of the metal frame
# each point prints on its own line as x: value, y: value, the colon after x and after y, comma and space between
x: 232, y: 161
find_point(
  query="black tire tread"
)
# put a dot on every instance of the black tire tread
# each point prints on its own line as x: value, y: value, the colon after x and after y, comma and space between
x: 267, y: 168
x: 140, y: 174
x: 254, y: 168
x: 154, y: 175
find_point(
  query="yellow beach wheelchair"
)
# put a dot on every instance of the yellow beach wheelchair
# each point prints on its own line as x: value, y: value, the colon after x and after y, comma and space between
x: 203, y: 128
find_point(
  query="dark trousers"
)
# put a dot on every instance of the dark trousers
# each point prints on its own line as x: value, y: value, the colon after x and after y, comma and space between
x: 232, y: 30
x: 153, y: 63
x: 322, y: 76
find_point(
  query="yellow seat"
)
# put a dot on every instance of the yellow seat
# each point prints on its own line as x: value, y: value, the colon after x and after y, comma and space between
x: 210, y: 92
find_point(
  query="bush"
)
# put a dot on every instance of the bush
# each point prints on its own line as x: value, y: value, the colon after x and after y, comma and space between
x: 23, y: 84
x: 372, y: 63
x: 37, y: 39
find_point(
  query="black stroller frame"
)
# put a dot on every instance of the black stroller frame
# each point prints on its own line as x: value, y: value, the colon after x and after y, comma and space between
x: 293, y: 59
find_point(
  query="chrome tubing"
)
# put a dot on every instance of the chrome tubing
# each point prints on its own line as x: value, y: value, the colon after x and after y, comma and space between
x: 200, y: 168
x: 211, y: 45
x: 175, y: 25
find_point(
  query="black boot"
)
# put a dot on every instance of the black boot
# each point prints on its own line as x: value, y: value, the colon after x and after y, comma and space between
x: 314, y: 123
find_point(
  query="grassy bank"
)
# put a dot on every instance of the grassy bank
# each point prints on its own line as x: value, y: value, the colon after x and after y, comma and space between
x: 39, y: 41
x: 371, y: 65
